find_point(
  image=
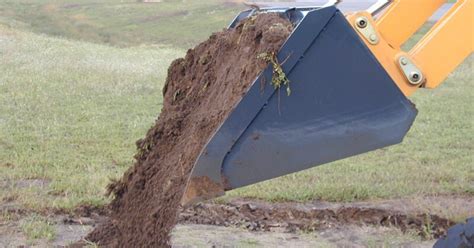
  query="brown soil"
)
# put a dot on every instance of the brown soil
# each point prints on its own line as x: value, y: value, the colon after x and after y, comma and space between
x: 290, y: 217
x: 199, y: 93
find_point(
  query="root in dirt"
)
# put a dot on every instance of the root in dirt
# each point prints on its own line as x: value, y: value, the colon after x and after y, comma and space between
x: 200, y: 92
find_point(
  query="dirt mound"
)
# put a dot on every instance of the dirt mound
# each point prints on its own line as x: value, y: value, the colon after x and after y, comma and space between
x: 199, y: 93
x: 291, y: 217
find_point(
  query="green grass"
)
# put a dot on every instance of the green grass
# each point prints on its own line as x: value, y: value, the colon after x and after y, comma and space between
x: 249, y: 243
x: 71, y: 111
x: 36, y: 227
x: 121, y: 23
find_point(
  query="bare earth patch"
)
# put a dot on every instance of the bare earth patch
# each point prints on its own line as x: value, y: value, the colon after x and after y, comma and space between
x: 24, y: 183
x: 345, y: 236
x: 65, y: 233
x: 253, y: 223
x: 308, y: 217
x: 190, y: 235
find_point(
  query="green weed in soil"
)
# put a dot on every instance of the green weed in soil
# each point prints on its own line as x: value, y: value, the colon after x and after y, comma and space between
x: 279, y: 77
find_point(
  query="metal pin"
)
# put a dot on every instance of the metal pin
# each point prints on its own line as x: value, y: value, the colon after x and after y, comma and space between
x: 415, y: 77
x: 361, y: 22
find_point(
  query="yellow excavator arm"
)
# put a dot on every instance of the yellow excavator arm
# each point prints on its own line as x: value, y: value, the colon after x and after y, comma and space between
x: 434, y: 57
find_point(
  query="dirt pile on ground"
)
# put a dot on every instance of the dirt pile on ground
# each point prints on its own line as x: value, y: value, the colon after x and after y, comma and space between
x: 200, y: 92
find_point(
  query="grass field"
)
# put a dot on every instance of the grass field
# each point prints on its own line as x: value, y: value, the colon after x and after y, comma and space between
x: 121, y: 23
x: 70, y: 112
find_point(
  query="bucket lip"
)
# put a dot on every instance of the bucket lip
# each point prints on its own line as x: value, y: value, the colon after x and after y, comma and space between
x: 302, y: 10
x: 284, y: 8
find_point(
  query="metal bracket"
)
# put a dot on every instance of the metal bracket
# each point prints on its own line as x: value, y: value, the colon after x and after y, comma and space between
x: 411, y: 71
x: 364, y: 27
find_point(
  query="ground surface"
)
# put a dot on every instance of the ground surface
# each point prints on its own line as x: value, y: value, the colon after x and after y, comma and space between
x: 363, y: 227
x: 214, y: 236
x: 72, y: 108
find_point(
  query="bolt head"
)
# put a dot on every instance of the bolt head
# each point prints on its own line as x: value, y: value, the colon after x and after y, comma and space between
x: 415, y: 77
x: 361, y: 22
x: 404, y: 61
x: 373, y: 37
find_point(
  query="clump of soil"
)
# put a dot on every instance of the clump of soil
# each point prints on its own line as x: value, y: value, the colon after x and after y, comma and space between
x: 200, y: 92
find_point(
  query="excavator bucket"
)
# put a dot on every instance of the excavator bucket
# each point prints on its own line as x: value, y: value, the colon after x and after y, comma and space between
x: 342, y: 103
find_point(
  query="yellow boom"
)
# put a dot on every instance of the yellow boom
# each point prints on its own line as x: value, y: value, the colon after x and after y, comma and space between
x: 437, y: 54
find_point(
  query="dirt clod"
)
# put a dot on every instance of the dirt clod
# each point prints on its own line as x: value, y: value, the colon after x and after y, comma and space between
x: 200, y: 91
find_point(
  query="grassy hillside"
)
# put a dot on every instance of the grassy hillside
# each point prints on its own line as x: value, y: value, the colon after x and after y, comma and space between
x: 121, y: 23
x: 182, y: 23
x: 70, y: 113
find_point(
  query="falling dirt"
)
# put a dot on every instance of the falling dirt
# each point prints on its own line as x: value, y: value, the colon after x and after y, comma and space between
x: 200, y: 92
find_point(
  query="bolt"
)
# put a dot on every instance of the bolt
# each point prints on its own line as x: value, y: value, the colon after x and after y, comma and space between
x: 415, y: 77
x: 361, y: 23
x: 373, y: 37
x: 404, y: 61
